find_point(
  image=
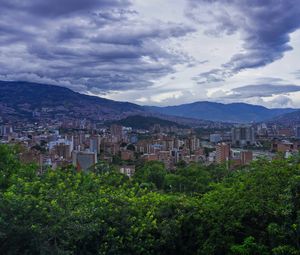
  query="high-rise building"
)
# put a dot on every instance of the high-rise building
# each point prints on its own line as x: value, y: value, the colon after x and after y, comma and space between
x: 95, y: 142
x: 116, y: 131
x: 194, y: 143
x: 243, y: 135
x: 222, y: 152
x: 63, y: 150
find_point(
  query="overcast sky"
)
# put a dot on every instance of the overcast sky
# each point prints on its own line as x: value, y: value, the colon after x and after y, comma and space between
x: 157, y: 52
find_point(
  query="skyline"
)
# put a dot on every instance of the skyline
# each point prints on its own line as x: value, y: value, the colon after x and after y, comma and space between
x: 157, y: 53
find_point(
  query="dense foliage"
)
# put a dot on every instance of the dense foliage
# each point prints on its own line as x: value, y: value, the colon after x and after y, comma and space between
x: 144, y: 122
x: 196, y: 210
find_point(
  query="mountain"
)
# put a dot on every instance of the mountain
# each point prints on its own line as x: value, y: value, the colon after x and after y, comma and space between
x: 235, y: 112
x: 288, y: 119
x: 23, y: 100
x: 146, y: 122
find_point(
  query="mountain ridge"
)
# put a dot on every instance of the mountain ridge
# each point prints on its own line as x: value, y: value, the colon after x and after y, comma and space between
x: 288, y: 119
x: 214, y: 111
x: 24, y: 100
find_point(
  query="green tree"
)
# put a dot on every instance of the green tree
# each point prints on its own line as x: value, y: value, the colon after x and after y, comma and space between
x: 152, y: 172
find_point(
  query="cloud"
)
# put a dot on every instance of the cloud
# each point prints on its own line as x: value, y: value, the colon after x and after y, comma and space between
x: 281, y: 101
x: 55, y: 8
x: 212, y: 76
x: 296, y: 74
x: 264, y: 27
x: 261, y: 90
x: 268, y: 80
x: 100, y: 45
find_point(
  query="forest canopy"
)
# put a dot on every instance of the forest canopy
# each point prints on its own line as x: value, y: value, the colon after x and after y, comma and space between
x: 195, y: 210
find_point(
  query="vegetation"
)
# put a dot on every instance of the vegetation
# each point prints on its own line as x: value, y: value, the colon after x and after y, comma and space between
x: 196, y: 210
x: 142, y: 122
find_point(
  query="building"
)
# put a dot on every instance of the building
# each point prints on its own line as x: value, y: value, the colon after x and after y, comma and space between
x: 150, y: 157
x: 246, y: 157
x: 127, y: 155
x: 222, y: 152
x: 53, y: 144
x: 243, y: 135
x: 285, y: 132
x: 166, y: 158
x: 240, y: 157
x: 83, y: 160
x: 127, y: 170
x: 194, y: 143
x: 262, y: 129
x: 95, y: 142
x: 116, y: 131
x: 283, y: 146
x: 6, y: 130
x: 211, y: 157
x: 63, y: 150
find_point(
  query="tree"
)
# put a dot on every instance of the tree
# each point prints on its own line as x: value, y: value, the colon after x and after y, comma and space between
x: 254, y: 210
x: 152, y: 172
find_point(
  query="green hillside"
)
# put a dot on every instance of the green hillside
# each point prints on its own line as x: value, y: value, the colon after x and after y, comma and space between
x: 142, y: 122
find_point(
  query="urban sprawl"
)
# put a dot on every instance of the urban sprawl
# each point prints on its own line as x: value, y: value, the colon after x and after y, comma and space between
x: 84, y: 144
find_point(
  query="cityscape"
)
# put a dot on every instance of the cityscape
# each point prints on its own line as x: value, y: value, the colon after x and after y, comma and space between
x: 159, y: 127
x: 83, y: 144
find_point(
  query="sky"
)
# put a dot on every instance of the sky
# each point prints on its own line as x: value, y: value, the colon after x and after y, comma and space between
x: 157, y: 52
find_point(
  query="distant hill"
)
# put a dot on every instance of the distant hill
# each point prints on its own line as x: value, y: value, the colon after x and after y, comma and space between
x: 145, y: 122
x: 235, y: 112
x: 24, y: 100
x: 288, y: 119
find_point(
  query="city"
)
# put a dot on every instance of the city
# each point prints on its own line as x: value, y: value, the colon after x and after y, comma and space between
x: 159, y: 127
x: 83, y: 144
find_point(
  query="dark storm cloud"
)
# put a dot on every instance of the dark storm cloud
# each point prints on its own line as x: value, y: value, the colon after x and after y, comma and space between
x: 264, y: 27
x: 262, y: 90
x: 91, y: 45
x: 214, y: 75
x: 129, y: 35
x: 54, y: 8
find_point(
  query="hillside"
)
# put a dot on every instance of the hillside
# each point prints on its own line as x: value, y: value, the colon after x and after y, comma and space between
x: 23, y: 100
x: 235, y: 112
x: 288, y: 119
x: 145, y: 122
